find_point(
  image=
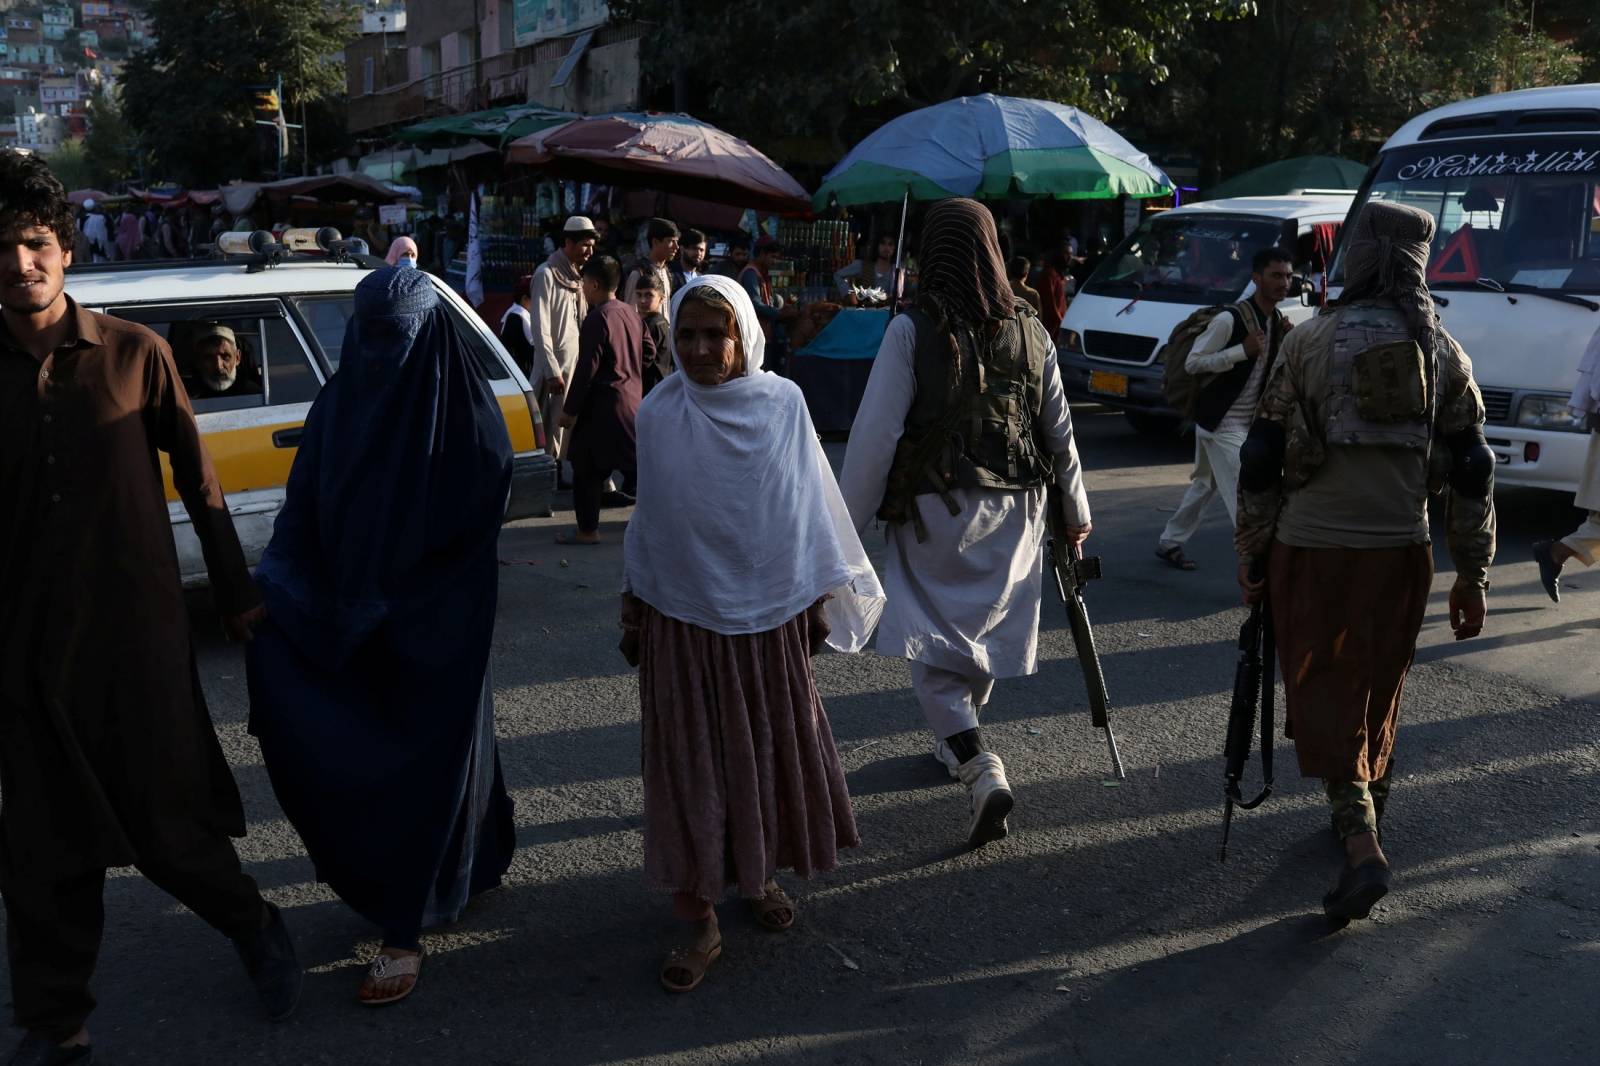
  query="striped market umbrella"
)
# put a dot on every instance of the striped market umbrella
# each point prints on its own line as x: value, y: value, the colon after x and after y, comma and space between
x: 992, y: 148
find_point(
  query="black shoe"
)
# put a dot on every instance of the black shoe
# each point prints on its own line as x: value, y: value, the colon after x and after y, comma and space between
x: 1358, y: 889
x: 1549, y: 569
x: 36, y: 1050
x: 269, y: 959
x: 617, y: 498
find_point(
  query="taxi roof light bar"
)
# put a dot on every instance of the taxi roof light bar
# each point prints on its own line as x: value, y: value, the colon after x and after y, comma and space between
x: 264, y: 251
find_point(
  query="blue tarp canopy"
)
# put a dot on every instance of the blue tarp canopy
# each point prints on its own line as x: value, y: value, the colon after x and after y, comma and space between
x: 853, y: 334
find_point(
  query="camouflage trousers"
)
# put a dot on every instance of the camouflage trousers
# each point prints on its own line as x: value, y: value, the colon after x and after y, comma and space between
x: 1358, y: 805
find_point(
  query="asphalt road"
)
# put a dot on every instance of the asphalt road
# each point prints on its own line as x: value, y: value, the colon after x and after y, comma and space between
x: 1103, y: 931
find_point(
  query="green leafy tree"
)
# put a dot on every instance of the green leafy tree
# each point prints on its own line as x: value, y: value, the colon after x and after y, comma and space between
x: 1337, y: 77
x: 110, y: 148
x: 71, y: 165
x: 836, y: 68
x: 190, y: 95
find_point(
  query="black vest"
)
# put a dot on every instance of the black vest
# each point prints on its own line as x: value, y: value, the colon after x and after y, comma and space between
x: 975, y: 430
x: 1219, y: 394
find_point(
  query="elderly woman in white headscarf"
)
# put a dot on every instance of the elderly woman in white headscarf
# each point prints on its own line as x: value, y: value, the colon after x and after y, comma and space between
x: 740, y: 561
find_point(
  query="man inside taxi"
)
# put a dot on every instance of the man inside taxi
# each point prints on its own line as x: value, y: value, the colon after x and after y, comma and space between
x: 218, y: 367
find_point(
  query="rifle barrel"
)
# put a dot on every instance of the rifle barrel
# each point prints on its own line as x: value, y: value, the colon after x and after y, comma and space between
x: 1227, y: 824
x: 1116, y: 756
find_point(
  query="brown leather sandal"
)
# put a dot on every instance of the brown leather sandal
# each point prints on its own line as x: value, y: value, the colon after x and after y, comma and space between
x: 388, y: 967
x: 774, y: 911
x: 691, y: 963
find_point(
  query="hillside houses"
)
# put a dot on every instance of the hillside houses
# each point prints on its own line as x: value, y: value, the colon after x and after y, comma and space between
x: 53, y: 58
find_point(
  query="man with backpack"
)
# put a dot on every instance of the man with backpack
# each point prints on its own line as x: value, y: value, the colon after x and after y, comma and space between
x: 1217, y: 361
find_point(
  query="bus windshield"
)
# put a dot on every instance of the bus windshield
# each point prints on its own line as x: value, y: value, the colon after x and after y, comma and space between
x: 1188, y: 257
x: 1513, y: 213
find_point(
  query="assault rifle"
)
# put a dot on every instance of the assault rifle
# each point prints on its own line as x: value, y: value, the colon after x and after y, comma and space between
x: 1254, y: 683
x: 1072, y: 572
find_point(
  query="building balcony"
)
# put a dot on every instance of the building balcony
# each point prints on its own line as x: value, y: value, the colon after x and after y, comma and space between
x: 460, y: 89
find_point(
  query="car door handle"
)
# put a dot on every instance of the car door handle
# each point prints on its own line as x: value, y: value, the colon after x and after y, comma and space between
x: 288, y: 438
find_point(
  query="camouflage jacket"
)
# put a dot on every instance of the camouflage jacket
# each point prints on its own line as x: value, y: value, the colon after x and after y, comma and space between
x: 1295, y: 396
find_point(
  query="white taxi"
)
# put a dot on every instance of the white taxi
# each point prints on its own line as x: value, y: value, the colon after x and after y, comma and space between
x: 286, y: 311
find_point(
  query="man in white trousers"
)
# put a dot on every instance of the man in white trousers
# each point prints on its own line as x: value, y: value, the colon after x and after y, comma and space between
x: 1231, y: 359
x: 962, y: 426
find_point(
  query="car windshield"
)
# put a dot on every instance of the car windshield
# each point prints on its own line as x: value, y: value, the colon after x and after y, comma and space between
x: 1512, y: 212
x: 1186, y: 257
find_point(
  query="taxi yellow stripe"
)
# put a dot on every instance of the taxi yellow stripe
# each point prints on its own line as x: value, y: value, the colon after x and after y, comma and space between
x: 519, y: 423
x: 245, y: 459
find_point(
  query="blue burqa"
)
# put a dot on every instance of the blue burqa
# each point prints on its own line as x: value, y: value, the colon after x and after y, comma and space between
x: 369, y: 679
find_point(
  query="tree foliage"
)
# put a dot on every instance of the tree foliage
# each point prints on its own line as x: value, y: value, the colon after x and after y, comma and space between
x: 769, y: 68
x: 110, y: 149
x: 189, y: 95
x: 1235, y: 83
x: 71, y: 166
x: 1338, y: 76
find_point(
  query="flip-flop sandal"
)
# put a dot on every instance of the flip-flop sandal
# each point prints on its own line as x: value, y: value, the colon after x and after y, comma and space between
x: 385, y: 967
x: 572, y: 538
x: 1174, y: 556
x: 768, y: 910
x: 694, y: 963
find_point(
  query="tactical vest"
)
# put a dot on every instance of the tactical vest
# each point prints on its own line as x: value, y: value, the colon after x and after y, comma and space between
x: 975, y: 432
x: 1380, y: 382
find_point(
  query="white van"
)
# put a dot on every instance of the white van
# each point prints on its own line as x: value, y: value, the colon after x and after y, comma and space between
x: 1175, y: 263
x: 1513, y: 181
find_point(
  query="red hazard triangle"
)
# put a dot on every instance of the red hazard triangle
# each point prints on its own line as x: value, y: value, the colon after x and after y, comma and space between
x: 1457, y: 260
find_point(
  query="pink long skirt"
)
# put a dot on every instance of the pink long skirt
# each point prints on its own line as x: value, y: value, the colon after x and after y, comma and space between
x: 741, y: 777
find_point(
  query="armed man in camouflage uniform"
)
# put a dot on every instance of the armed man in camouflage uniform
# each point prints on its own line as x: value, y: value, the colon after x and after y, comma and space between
x: 1371, y: 407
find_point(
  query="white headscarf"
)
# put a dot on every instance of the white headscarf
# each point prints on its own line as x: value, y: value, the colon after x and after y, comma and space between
x: 740, y: 525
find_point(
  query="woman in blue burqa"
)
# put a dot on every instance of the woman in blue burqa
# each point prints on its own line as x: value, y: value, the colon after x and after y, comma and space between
x: 369, y: 681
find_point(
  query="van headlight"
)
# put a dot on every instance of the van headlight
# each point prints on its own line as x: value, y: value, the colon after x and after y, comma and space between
x: 1549, y: 412
x: 1071, y: 341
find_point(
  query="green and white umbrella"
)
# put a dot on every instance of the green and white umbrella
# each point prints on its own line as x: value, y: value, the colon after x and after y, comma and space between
x: 992, y: 148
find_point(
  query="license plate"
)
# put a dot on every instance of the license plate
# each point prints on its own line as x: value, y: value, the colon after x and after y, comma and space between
x: 1107, y: 383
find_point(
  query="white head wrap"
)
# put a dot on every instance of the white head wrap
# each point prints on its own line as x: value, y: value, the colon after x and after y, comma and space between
x: 740, y: 525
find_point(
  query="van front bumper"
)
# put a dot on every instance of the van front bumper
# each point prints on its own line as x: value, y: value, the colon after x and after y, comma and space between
x: 1145, y: 392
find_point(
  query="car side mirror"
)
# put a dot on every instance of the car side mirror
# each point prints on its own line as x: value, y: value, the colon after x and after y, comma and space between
x: 1310, y: 297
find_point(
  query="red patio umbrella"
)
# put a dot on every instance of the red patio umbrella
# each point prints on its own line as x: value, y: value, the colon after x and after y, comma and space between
x: 669, y: 153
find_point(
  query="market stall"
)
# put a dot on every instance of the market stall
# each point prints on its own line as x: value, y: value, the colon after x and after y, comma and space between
x: 992, y: 148
x: 833, y: 367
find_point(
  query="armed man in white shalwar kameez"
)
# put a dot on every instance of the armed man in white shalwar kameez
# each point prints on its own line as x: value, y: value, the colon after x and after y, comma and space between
x: 954, y: 454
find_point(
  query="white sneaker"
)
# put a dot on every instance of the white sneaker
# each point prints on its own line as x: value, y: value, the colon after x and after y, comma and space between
x: 985, y: 778
x: 947, y: 758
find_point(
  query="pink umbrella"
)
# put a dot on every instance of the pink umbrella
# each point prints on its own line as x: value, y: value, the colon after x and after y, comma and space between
x: 78, y: 196
x: 669, y: 153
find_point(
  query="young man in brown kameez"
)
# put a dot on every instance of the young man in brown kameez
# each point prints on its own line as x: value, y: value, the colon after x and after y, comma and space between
x: 1371, y: 407
x: 107, y: 752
